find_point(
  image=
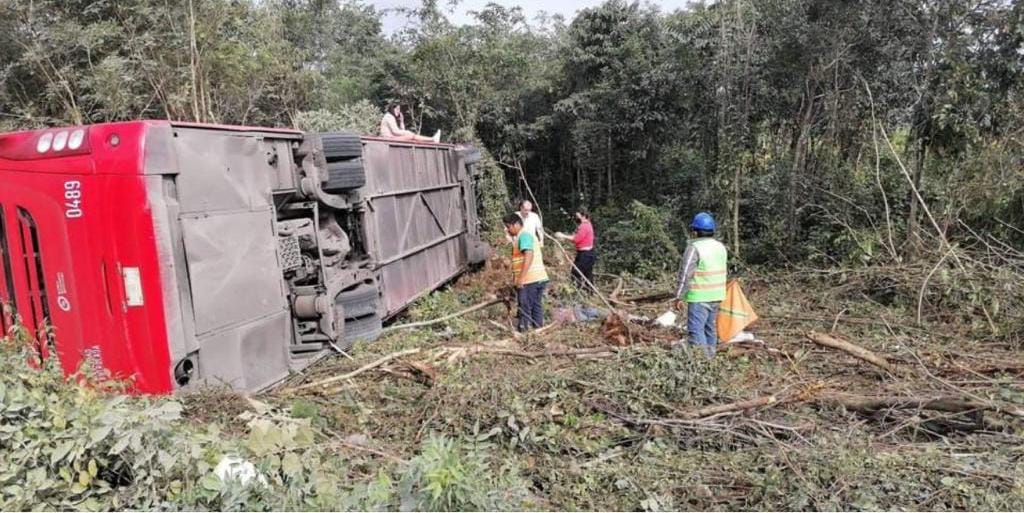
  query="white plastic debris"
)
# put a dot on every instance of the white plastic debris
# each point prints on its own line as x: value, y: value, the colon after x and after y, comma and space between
x: 743, y: 336
x: 238, y: 470
x: 666, y: 319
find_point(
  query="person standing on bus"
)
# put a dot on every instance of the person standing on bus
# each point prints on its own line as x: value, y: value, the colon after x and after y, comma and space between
x: 586, y: 256
x: 528, y: 274
x: 392, y: 126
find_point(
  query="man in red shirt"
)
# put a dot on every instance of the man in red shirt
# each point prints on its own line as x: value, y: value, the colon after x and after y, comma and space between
x: 586, y: 257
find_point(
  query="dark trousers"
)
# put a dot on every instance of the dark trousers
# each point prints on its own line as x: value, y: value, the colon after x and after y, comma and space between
x: 531, y: 307
x: 583, y: 267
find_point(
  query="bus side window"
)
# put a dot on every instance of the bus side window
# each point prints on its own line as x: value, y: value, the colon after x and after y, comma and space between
x: 7, y: 300
x: 33, y: 262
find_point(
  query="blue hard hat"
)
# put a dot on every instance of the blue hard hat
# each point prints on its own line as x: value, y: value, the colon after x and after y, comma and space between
x: 703, y: 222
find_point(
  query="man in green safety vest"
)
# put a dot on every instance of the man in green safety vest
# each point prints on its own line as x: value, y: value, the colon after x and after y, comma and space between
x: 702, y: 283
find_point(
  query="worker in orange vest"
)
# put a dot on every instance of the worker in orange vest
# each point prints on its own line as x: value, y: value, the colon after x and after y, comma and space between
x: 528, y: 273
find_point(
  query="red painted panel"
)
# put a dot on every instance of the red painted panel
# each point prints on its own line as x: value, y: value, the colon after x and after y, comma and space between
x: 93, y: 219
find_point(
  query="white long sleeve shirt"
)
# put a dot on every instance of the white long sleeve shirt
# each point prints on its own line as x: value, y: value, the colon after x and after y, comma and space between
x: 532, y: 224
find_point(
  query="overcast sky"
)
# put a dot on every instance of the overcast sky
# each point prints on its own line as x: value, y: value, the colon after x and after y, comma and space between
x: 531, y: 8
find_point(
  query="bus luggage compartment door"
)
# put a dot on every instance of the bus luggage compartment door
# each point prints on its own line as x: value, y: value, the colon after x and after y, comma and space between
x: 415, y: 220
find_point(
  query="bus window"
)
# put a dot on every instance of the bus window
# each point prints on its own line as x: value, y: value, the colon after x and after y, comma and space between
x: 7, y: 300
x: 33, y: 262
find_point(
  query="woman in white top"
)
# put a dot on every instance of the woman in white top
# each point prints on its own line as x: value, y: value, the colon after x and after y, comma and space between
x: 392, y: 125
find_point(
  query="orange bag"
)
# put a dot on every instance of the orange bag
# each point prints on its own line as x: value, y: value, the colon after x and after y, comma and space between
x: 735, y: 313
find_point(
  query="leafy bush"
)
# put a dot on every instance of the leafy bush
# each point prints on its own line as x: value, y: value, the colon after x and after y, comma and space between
x: 66, y: 447
x: 361, y: 117
x: 447, y: 477
x: 639, y: 243
x: 493, y: 201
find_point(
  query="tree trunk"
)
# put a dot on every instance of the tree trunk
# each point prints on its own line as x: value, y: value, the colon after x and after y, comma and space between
x: 917, y: 174
x: 796, y: 173
x: 608, y: 162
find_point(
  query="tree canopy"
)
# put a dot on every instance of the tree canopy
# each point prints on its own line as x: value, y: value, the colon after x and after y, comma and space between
x: 813, y: 129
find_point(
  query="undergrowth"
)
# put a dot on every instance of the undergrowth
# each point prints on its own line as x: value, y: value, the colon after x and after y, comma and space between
x: 65, y: 446
x: 494, y: 432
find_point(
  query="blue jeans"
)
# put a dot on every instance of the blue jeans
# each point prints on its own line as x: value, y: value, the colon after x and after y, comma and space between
x: 700, y: 323
x: 531, y: 307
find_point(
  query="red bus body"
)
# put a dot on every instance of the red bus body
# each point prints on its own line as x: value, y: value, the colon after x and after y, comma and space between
x: 174, y: 255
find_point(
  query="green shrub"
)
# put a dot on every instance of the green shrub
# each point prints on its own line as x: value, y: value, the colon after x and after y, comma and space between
x: 448, y: 477
x: 65, y: 446
x: 361, y: 117
x: 638, y: 242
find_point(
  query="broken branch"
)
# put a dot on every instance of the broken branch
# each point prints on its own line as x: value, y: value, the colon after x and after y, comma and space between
x: 718, y: 409
x: 480, y: 306
x: 947, y: 404
x: 372, y: 365
x: 648, y: 297
x: 851, y: 349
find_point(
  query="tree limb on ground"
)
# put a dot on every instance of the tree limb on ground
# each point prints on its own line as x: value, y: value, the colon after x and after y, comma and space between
x: 372, y: 365
x: 948, y: 404
x: 618, y: 289
x: 719, y: 409
x: 852, y: 349
x: 480, y: 306
x: 459, y: 352
x: 658, y: 296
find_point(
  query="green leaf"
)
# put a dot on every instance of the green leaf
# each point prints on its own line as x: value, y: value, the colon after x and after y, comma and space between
x: 60, y: 452
x: 166, y: 460
x: 99, y: 434
x: 168, y: 411
x: 120, y: 445
x: 291, y: 465
x: 211, y: 482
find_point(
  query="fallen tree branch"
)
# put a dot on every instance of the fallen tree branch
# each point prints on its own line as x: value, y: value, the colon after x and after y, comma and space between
x: 480, y: 306
x: 697, y: 424
x: 866, y: 404
x: 718, y: 409
x: 460, y: 351
x: 852, y: 349
x: 658, y: 296
x: 372, y: 365
x: 618, y: 289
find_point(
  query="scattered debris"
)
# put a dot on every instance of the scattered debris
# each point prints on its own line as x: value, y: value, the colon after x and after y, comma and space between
x: 232, y: 469
x: 666, y: 320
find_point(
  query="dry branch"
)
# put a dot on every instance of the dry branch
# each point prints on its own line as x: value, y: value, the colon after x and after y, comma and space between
x: 372, y: 365
x: 718, y: 409
x: 480, y: 306
x: 618, y: 289
x: 589, y: 351
x: 851, y: 349
x: 658, y: 296
x: 948, y: 404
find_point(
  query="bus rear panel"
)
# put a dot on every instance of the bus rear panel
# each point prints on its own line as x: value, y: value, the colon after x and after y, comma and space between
x: 175, y: 255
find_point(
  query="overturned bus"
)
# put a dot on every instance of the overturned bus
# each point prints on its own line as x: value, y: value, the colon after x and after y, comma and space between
x: 178, y: 254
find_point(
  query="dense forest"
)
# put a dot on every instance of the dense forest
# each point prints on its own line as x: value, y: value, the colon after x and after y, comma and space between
x: 841, y: 132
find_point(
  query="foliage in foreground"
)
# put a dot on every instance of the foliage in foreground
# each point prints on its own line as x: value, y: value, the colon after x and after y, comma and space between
x: 63, y: 446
